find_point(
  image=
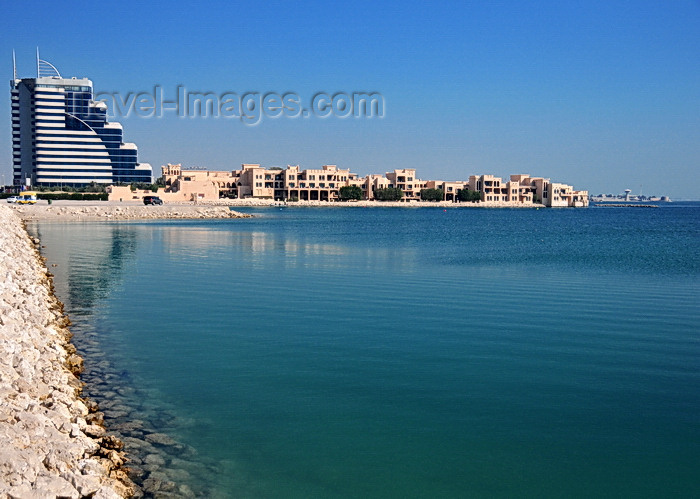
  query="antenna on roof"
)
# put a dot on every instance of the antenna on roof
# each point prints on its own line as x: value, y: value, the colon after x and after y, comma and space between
x: 14, y: 65
x: 37, y: 62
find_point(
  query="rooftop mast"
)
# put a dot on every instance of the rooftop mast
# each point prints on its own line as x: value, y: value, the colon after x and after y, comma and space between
x: 45, y: 68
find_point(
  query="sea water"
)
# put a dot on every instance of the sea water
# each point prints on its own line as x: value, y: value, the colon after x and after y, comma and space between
x: 389, y: 352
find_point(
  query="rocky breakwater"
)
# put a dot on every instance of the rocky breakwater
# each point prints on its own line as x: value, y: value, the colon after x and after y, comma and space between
x: 116, y: 211
x: 51, y: 441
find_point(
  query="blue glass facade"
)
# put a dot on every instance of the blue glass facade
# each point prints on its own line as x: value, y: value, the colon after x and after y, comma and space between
x: 61, y: 136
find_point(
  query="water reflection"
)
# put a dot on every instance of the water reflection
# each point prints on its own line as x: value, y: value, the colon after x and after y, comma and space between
x: 86, y: 259
x: 260, y: 249
x: 103, y: 267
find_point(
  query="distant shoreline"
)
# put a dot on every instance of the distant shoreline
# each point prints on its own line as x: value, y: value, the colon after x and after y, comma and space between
x: 625, y: 205
x: 368, y: 204
x: 67, y: 210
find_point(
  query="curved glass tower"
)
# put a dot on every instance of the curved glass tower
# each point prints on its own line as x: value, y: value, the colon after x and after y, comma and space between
x: 61, y: 136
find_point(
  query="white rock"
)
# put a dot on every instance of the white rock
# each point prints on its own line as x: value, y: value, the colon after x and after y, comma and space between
x: 106, y: 493
x: 55, y: 486
x: 44, y: 451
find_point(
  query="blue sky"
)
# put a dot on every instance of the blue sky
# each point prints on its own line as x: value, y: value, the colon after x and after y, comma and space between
x: 603, y: 95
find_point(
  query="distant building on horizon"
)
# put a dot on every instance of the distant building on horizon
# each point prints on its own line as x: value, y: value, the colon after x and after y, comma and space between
x: 61, y: 136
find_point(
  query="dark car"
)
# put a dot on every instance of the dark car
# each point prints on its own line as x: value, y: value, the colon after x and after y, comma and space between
x: 152, y: 200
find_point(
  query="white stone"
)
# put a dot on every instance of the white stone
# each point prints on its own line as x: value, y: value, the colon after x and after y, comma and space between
x: 44, y: 451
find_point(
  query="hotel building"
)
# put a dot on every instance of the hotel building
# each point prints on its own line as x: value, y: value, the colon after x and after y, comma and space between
x: 61, y: 136
x: 323, y: 184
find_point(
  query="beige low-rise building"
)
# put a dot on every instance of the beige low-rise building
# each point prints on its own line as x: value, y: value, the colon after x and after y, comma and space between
x: 324, y: 184
x: 406, y: 180
x: 552, y: 194
x: 450, y: 189
x: 492, y: 188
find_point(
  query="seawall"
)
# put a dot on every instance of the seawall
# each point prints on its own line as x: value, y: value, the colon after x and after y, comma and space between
x: 52, y: 443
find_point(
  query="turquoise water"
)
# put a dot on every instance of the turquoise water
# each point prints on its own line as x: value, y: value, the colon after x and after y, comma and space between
x: 396, y: 352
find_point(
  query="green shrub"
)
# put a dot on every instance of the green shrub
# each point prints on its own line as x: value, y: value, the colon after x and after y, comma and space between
x: 75, y: 196
x: 350, y: 192
x: 388, y: 194
x: 468, y: 195
x: 432, y: 194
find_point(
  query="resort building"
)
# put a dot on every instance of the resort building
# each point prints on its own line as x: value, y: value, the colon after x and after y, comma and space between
x: 61, y: 136
x: 406, y: 181
x: 323, y: 184
x: 315, y: 184
x: 449, y: 189
x: 372, y: 183
x: 552, y: 194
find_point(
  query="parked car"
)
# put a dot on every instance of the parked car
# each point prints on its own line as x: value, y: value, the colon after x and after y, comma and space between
x: 27, y: 198
x: 12, y: 199
x: 152, y: 200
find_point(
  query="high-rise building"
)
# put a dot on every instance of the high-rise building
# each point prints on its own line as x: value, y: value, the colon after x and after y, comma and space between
x: 61, y: 136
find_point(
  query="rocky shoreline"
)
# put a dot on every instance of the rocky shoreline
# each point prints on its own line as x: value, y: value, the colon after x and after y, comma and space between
x: 52, y: 440
x: 117, y: 211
